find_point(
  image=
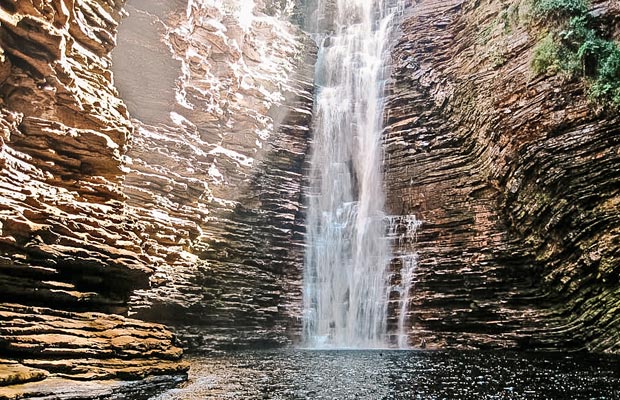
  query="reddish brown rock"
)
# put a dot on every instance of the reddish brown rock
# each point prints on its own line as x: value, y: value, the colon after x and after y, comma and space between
x: 187, y: 214
x: 67, y: 240
x: 222, y: 106
x: 78, y: 347
x: 515, y: 179
x: 13, y: 373
x: 65, y: 233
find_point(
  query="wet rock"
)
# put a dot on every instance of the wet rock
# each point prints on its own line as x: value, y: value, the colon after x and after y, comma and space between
x: 65, y: 389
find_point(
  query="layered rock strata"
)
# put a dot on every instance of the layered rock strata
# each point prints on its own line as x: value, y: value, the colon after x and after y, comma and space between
x: 190, y: 212
x: 69, y: 348
x: 515, y: 177
x: 64, y: 131
x: 67, y: 241
x: 215, y: 166
x: 187, y: 214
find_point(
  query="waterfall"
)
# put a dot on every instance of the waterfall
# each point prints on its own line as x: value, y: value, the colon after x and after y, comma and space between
x: 402, y: 231
x: 345, y: 276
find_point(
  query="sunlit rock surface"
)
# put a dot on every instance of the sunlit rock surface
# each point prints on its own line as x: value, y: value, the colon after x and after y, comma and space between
x: 221, y: 96
x: 83, y: 346
x: 67, y: 239
x: 186, y: 213
x: 515, y: 178
x: 64, y: 131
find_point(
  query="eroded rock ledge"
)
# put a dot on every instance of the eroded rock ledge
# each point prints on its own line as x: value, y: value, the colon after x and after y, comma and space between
x: 515, y: 177
x: 69, y: 347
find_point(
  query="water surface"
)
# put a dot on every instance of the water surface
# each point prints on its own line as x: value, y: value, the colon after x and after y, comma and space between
x: 373, y: 375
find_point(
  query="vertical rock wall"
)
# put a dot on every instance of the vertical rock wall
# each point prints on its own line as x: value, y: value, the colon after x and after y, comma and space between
x: 67, y: 241
x: 186, y: 214
x: 64, y: 133
x: 515, y: 177
x: 182, y: 202
x: 222, y: 103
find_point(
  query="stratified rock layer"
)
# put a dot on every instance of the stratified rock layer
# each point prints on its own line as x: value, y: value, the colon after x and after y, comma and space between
x: 215, y: 165
x: 188, y: 214
x: 85, y: 346
x: 67, y: 241
x: 65, y: 235
x: 515, y: 178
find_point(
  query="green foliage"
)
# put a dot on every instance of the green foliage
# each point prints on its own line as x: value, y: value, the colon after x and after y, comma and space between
x: 607, y: 84
x: 577, y: 31
x: 579, y: 44
x: 577, y: 48
x: 509, y: 17
x: 559, y: 8
x: 546, y: 56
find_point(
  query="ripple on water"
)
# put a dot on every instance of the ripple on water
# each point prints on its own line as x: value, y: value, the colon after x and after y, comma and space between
x: 392, y: 375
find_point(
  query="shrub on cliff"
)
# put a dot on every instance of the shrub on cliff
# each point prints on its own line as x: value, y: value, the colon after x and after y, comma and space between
x: 546, y: 56
x: 607, y: 84
x: 576, y: 46
x: 559, y: 8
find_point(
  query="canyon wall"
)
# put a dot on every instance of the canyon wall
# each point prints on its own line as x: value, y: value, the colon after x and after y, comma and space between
x: 175, y: 201
x: 178, y: 198
x: 69, y: 251
x: 515, y: 178
x: 221, y: 98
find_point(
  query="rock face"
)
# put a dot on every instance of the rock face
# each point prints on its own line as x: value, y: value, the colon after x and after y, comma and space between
x: 187, y: 214
x: 215, y: 165
x: 63, y: 134
x: 67, y: 240
x: 69, y: 348
x: 515, y: 178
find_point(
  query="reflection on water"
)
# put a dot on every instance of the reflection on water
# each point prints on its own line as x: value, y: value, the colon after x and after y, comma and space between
x: 373, y: 375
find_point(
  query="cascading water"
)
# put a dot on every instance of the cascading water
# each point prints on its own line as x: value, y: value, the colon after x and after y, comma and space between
x: 345, y: 277
x: 403, y: 230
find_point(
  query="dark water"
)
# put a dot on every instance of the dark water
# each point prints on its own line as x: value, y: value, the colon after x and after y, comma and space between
x: 374, y: 375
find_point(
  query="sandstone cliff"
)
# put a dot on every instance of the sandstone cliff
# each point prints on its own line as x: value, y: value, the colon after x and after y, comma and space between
x: 222, y: 103
x: 178, y: 199
x: 67, y: 242
x: 515, y: 177
x: 182, y: 210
